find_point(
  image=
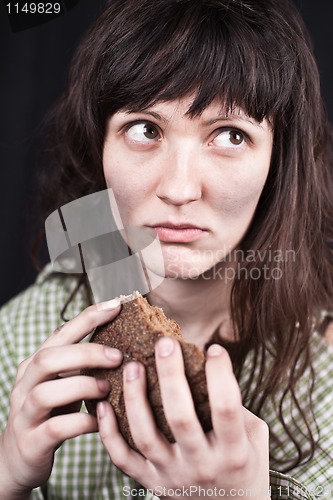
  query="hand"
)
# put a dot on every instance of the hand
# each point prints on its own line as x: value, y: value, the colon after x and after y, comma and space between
x: 42, y: 402
x: 232, y: 458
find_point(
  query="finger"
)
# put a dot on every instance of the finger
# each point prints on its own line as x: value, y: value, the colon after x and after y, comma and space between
x: 56, y: 430
x: 123, y: 457
x: 56, y: 393
x: 84, y: 323
x: 147, y: 437
x: 177, y: 398
x: 225, y: 398
x: 76, y: 329
x: 49, y: 362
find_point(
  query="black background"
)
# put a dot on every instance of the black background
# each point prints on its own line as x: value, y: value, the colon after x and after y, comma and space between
x: 33, y: 69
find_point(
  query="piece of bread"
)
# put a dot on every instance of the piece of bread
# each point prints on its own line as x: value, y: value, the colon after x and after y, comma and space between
x: 134, y: 332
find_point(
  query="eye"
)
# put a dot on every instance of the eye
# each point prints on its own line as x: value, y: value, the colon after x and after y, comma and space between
x: 143, y: 132
x: 230, y: 138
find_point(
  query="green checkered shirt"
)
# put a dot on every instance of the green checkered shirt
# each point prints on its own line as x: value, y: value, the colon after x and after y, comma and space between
x: 82, y: 468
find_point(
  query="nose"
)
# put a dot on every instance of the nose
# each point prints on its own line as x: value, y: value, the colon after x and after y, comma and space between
x: 180, y: 181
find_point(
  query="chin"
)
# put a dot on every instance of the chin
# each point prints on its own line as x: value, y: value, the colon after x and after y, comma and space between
x: 186, y: 272
x: 185, y: 262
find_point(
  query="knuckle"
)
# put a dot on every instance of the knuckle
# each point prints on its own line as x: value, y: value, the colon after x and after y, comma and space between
x: 130, y: 394
x: 53, y: 430
x: 58, y: 329
x: 166, y: 371
x: 262, y: 427
x: 181, y: 423
x: 235, y: 462
x: 89, y: 354
x: 89, y: 315
x: 87, y: 349
x: 256, y: 427
x: 226, y: 411
x: 260, y: 430
x: 146, y: 446
x: 22, y: 367
x: 42, y: 359
x: 121, y: 461
x: 37, y: 396
x: 16, y: 398
x: 206, y: 475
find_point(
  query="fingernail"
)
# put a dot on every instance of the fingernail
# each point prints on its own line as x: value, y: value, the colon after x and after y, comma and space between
x: 101, y: 409
x: 112, y: 354
x: 165, y: 347
x: 131, y: 371
x: 109, y: 305
x: 103, y: 385
x: 215, y: 350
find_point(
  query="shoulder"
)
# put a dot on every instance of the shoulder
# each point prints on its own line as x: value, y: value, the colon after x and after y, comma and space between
x: 314, y: 399
x: 31, y: 316
x: 318, y: 472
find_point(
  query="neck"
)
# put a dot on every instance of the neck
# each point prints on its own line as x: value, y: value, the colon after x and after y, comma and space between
x: 200, y: 306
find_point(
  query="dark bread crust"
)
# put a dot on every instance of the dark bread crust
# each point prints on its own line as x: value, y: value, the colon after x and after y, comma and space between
x: 134, y: 332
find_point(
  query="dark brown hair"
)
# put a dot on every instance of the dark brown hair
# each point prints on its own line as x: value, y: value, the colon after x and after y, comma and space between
x: 254, y: 54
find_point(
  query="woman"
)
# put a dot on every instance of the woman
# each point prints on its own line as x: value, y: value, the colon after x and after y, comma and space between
x: 205, y: 119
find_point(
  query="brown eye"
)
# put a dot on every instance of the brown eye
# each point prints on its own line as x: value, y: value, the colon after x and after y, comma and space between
x: 142, y: 133
x: 236, y: 138
x: 230, y: 138
x: 150, y: 132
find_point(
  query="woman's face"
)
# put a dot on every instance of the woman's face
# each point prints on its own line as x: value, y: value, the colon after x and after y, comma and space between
x: 195, y: 181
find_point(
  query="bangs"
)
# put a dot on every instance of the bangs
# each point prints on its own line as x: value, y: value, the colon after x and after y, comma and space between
x: 211, y: 51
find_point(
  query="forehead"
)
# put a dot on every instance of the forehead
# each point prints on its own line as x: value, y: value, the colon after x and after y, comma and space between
x: 167, y: 111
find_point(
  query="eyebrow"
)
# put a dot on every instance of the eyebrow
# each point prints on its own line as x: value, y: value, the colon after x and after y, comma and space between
x: 206, y: 123
x: 212, y: 121
x: 155, y: 115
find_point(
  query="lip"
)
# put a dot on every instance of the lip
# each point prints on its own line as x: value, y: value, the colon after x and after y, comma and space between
x: 178, y: 233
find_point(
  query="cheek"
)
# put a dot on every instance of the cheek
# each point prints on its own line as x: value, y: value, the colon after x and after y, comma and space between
x: 239, y: 191
x: 112, y: 166
x: 123, y: 183
x: 238, y: 197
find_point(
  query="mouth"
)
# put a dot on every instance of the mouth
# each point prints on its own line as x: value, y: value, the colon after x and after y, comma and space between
x: 178, y: 233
